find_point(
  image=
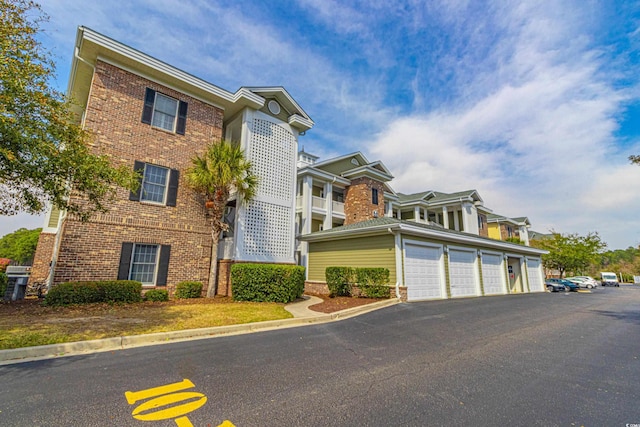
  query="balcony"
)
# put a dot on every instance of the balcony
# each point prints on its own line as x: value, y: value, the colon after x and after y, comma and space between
x: 338, y: 207
x: 318, y: 203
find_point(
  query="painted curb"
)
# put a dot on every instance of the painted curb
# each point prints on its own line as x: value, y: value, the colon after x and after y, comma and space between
x: 20, y: 355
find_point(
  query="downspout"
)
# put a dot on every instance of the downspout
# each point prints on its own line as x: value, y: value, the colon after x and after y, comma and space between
x: 396, y: 243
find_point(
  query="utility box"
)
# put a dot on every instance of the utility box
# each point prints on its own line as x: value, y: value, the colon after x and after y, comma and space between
x: 18, y: 276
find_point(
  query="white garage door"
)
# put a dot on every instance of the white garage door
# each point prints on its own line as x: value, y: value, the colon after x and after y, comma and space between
x: 462, y: 273
x: 493, y: 274
x: 535, y: 275
x: 422, y: 272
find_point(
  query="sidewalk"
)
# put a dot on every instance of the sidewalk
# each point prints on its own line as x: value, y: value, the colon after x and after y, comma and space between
x: 300, y: 310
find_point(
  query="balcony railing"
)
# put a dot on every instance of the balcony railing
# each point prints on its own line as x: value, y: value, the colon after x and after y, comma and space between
x: 338, y: 207
x: 318, y: 202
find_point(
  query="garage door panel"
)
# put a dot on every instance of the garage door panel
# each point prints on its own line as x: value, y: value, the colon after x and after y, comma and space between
x: 462, y: 273
x: 535, y: 276
x: 493, y: 274
x: 422, y: 272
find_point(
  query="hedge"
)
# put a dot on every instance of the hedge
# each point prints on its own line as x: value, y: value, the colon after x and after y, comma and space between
x: 96, y: 291
x: 267, y: 282
x: 188, y: 290
x: 156, y: 295
x: 373, y: 282
x: 339, y: 280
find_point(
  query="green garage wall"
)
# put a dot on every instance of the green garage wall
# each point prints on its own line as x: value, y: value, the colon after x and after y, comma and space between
x: 372, y: 251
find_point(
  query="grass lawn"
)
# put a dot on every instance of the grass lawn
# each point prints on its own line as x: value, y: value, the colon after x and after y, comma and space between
x: 27, y: 323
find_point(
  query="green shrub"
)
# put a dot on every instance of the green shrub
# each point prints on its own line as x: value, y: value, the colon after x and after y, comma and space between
x: 267, y: 282
x: 189, y: 290
x: 339, y: 280
x: 127, y: 291
x: 373, y: 282
x: 3, y: 284
x: 156, y: 295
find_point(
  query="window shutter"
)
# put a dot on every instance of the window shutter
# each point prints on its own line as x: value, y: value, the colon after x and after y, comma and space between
x: 182, y: 118
x: 147, y: 111
x: 163, y: 266
x: 125, y: 261
x: 137, y: 167
x: 172, y: 194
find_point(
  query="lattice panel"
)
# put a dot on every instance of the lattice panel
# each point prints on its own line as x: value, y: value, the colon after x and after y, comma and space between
x: 273, y: 155
x: 269, y: 230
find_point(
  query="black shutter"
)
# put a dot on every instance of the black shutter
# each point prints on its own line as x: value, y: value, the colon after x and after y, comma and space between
x: 163, y: 267
x: 182, y: 118
x: 125, y: 261
x: 137, y: 167
x: 147, y: 111
x: 172, y: 194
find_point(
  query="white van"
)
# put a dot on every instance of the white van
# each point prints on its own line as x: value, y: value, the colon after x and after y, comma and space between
x: 609, y: 279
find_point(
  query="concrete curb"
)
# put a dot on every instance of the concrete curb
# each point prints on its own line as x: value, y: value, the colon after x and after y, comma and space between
x: 20, y: 355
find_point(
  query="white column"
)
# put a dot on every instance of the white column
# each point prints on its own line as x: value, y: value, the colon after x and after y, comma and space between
x: 456, y: 221
x: 416, y: 214
x: 445, y: 217
x: 389, y: 212
x: 524, y: 234
x: 470, y: 218
x: 305, y: 225
x: 328, y: 197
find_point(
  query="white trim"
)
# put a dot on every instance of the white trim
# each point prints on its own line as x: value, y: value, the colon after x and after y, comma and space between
x: 158, y: 82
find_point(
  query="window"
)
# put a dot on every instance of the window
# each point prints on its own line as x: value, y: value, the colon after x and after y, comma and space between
x: 480, y: 222
x: 147, y: 263
x: 164, y: 112
x: 143, y: 264
x: 157, y: 184
x: 154, y: 184
x: 374, y: 196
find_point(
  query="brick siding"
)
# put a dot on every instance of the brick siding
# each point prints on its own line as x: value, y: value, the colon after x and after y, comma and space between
x: 358, y: 205
x: 92, y: 250
x: 42, y: 258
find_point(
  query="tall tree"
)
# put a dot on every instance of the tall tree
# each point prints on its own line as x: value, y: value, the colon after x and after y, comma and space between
x: 43, y: 149
x: 570, y: 252
x: 221, y: 171
x: 635, y: 159
x: 20, y: 246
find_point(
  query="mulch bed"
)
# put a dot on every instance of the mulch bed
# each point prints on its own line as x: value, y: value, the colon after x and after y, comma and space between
x: 330, y: 305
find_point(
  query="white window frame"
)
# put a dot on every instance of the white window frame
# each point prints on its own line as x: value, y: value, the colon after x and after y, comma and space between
x: 166, y: 185
x: 156, y: 266
x: 175, y: 116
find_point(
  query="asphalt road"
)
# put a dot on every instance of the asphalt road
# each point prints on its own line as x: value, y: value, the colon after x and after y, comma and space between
x: 522, y: 360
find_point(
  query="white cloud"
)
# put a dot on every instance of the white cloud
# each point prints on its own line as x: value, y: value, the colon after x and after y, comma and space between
x: 538, y: 143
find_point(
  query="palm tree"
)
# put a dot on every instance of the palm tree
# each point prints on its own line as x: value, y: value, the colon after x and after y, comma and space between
x: 221, y: 171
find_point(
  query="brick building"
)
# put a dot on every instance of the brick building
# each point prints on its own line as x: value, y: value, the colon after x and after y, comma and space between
x: 152, y: 117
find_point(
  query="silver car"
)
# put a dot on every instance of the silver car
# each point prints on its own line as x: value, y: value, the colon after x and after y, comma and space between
x: 584, y: 281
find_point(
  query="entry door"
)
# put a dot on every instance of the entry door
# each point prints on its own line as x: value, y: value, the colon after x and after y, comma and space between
x: 493, y: 274
x: 535, y: 275
x: 422, y: 272
x: 462, y: 273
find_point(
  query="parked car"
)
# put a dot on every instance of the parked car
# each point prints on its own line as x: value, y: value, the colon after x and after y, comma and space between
x: 553, y: 286
x: 584, y: 281
x: 566, y: 284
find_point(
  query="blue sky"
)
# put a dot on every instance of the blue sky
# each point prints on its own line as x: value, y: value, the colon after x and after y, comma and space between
x: 535, y: 104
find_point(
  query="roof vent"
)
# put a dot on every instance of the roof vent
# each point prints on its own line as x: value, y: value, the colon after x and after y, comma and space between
x: 274, y: 107
x: 354, y: 161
